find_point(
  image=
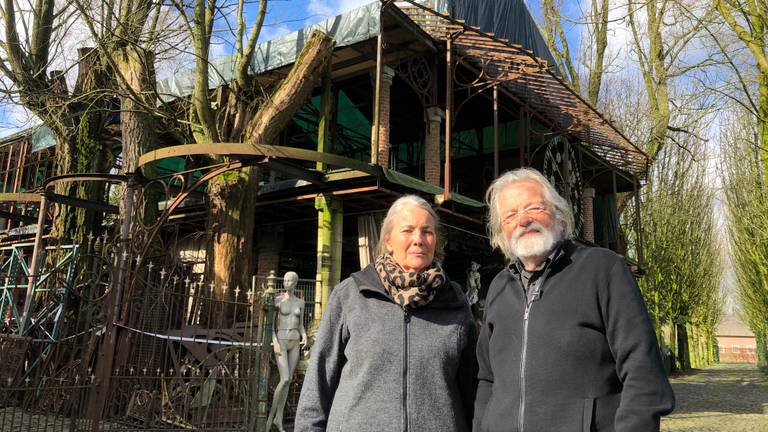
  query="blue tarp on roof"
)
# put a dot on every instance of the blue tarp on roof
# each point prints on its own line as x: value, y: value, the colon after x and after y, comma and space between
x: 506, y: 19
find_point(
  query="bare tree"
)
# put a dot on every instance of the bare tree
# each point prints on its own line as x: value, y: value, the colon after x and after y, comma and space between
x: 596, y: 22
x: 243, y: 117
x: 28, y: 48
x: 749, y: 21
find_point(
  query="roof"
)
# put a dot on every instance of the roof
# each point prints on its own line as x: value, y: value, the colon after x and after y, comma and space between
x: 533, y: 82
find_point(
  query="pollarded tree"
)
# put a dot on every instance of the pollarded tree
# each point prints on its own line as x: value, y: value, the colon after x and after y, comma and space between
x: 29, y: 45
x: 243, y: 117
x: 681, y: 288
x: 745, y: 192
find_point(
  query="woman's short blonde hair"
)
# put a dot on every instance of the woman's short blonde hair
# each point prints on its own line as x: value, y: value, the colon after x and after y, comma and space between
x: 398, y: 206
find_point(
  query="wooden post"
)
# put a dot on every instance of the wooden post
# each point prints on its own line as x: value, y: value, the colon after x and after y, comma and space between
x: 448, y: 119
x: 376, y: 102
x: 639, y: 227
x: 326, y: 113
x: 495, y: 131
x: 262, y: 397
x: 35, y: 265
x: 329, y: 226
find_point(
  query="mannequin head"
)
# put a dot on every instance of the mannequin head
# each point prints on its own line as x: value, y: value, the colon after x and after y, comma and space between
x: 290, y: 279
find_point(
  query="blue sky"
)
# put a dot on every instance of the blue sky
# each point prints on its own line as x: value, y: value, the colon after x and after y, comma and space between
x: 283, y: 16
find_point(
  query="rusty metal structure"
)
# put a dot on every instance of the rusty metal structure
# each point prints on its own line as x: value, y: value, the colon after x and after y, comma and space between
x: 121, y: 331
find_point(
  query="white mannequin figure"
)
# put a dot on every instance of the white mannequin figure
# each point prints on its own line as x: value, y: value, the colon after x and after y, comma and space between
x: 288, y: 337
x: 473, y: 283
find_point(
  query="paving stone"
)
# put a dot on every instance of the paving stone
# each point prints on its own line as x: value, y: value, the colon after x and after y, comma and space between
x: 727, y: 397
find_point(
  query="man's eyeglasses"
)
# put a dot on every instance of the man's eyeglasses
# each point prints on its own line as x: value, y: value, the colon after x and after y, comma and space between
x: 533, y: 210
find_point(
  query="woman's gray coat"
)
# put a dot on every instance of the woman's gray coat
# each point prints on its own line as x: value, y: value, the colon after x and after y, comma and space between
x: 374, y: 367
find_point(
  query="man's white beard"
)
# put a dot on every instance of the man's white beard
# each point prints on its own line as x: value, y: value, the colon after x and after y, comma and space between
x: 536, y: 244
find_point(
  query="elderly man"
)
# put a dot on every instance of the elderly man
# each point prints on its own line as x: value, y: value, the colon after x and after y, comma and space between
x: 567, y: 344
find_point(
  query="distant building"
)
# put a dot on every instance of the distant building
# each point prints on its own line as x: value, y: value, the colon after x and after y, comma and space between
x: 735, y: 341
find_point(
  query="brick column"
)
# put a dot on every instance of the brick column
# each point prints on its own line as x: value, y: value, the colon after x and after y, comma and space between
x: 588, y: 213
x: 387, y: 74
x: 434, y: 116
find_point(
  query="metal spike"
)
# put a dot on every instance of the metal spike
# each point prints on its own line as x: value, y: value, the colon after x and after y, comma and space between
x: 77, y: 378
x: 187, y: 281
x: 225, y: 288
x: 162, y: 273
x: 144, y: 370
x: 158, y: 371
x: 150, y: 266
x: 237, y: 292
x: 93, y: 377
x: 212, y: 285
x: 138, y: 259
x: 132, y: 370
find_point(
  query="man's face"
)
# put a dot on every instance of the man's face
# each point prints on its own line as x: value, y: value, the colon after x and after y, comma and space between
x: 529, y: 225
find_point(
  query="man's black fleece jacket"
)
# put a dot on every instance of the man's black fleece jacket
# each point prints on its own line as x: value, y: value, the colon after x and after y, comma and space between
x: 586, y: 360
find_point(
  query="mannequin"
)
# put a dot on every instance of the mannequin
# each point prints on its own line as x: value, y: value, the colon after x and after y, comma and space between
x: 473, y: 283
x: 288, y: 337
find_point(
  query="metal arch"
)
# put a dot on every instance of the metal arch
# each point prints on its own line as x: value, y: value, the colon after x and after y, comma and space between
x: 178, y: 199
x: 68, y: 178
x: 248, y: 151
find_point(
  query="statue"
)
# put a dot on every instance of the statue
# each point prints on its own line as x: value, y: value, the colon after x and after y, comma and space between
x: 473, y: 283
x: 288, y: 337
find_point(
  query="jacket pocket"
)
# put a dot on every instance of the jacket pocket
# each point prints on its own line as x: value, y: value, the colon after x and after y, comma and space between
x: 588, y: 415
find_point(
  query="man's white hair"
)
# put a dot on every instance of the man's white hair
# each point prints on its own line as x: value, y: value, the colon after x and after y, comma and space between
x: 560, y: 208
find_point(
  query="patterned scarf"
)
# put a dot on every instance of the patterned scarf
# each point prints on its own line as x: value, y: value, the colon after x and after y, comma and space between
x: 409, y: 289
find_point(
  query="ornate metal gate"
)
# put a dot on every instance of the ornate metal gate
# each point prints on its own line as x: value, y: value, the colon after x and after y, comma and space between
x: 122, y: 331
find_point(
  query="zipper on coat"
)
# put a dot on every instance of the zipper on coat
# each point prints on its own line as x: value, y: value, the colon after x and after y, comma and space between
x: 524, y: 351
x: 406, y: 320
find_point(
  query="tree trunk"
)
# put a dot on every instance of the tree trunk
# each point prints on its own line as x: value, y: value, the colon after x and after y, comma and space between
x: 762, y: 118
x: 137, y: 125
x: 683, y: 348
x: 231, y: 195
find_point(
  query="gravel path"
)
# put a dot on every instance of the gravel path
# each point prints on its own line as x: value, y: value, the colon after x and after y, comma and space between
x: 728, y: 397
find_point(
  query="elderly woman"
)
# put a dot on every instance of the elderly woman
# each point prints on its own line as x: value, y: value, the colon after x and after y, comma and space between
x: 395, y: 349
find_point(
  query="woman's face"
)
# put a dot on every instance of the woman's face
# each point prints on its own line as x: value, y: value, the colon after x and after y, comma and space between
x: 412, y: 239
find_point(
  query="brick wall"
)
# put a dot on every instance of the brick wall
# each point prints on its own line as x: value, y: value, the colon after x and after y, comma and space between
x: 432, y: 146
x: 387, y: 74
x: 588, y: 213
x: 737, y: 349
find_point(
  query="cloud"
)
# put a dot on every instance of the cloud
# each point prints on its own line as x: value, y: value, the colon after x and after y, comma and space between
x: 330, y: 8
x: 15, y: 118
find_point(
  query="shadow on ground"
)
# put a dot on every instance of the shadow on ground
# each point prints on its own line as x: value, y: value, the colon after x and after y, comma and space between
x: 725, y: 388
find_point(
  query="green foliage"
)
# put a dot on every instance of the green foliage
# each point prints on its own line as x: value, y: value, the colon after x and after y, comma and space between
x: 681, y: 287
x: 745, y: 192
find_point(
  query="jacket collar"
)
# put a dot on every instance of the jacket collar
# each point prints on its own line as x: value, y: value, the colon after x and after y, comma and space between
x: 449, y: 296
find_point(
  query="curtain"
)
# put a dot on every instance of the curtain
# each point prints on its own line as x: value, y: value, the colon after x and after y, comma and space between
x: 367, y: 238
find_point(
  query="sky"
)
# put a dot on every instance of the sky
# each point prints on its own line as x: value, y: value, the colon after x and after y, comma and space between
x: 283, y: 16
